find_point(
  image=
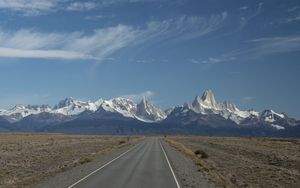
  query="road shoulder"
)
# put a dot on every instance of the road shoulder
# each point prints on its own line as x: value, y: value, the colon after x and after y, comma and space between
x: 186, y: 171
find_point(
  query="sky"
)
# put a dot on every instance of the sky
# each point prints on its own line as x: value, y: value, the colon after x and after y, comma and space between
x: 246, y: 51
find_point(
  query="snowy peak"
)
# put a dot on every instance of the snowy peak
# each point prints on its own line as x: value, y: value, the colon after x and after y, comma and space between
x: 144, y: 111
x: 207, y: 104
x: 271, y: 116
x: 29, y: 109
x: 70, y: 106
x: 208, y: 99
x: 148, y: 112
x: 270, y: 112
x: 126, y: 107
x: 197, y: 104
x: 63, y: 103
x: 18, y: 107
x: 20, y: 111
x: 230, y: 106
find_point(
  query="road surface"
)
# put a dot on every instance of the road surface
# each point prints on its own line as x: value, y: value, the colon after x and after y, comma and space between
x: 144, y: 166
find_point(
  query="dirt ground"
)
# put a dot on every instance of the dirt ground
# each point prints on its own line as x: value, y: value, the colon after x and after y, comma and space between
x: 244, y: 162
x: 28, y: 158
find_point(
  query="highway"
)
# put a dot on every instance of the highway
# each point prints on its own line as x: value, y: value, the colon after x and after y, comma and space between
x: 145, y: 165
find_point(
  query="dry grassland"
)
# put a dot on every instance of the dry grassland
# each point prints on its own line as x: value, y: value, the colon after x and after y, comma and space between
x: 28, y: 158
x: 244, y: 162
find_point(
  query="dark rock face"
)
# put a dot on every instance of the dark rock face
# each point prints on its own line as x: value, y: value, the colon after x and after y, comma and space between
x: 5, y: 125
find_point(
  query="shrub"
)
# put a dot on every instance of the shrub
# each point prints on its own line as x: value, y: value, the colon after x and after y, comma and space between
x: 122, y: 142
x: 203, y: 154
x: 86, y: 160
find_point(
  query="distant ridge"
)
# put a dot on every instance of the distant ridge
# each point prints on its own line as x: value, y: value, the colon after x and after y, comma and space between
x: 205, y: 115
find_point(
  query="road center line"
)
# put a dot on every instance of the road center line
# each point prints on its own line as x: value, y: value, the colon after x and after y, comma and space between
x: 178, y: 186
x: 101, y: 167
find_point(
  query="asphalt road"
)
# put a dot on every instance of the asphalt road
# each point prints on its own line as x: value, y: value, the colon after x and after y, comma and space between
x: 143, y: 166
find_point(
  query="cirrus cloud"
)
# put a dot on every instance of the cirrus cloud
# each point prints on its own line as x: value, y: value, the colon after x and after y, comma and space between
x: 102, y: 43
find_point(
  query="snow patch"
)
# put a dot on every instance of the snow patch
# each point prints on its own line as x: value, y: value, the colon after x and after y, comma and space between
x: 278, y: 127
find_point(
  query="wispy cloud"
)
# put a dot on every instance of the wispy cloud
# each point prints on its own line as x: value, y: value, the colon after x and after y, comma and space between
x: 243, y: 8
x: 111, y: 2
x: 292, y: 9
x: 49, y: 54
x: 244, y: 20
x: 275, y: 44
x: 293, y: 19
x: 81, y: 6
x: 105, y: 41
x: 214, y: 60
x: 76, y: 45
x: 37, y: 7
x: 255, y: 48
x: 139, y: 96
x: 99, y: 17
x: 247, y: 99
x: 28, y: 7
x: 187, y: 27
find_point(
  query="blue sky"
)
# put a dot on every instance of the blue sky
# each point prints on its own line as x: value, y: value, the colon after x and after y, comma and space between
x: 246, y: 51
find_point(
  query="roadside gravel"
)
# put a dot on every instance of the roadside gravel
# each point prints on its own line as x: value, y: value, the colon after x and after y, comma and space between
x: 186, y: 171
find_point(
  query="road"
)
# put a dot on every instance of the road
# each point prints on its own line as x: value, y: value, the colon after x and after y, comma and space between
x: 144, y: 166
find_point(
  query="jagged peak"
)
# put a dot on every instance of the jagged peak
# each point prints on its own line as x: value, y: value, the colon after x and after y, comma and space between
x: 270, y: 112
x: 146, y: 110
x: 122, y: 99
x: 230, y: 106
x: 18, y: 106
x: 208, y: 99
x: 145, y: 101
x: 30, y: 107
x: 65, y: 102
x: 208, y: 95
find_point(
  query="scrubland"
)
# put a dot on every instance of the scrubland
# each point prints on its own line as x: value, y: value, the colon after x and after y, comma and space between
x: 26, y: 159
x: 244, y: 162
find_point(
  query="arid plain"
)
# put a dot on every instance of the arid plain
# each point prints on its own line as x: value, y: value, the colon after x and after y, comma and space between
x: 244, y: 162
x: 26, y: 159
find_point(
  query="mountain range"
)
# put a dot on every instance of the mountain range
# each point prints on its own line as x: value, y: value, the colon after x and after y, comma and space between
x: 204, y: 116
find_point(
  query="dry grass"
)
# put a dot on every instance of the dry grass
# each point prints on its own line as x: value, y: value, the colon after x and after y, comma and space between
x: 245, y: 162
x: 27, y: 158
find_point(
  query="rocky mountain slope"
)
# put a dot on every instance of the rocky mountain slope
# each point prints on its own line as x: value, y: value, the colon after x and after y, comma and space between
x: 204, y: 115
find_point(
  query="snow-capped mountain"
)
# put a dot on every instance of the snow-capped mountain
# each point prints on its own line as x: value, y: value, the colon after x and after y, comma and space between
x: 144, y: 111
x: 207, y: 105
x: 277, y: 120
x: 20, y: 111
x: 70, y: 106
x: 204, y: 115
x: 147, y: 111
x: 120, y: 105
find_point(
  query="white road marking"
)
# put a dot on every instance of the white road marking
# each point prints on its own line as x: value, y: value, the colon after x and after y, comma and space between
x: 178, y: 186
x: 100, y: 168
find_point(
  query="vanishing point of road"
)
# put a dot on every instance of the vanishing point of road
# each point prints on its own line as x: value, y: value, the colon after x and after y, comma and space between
x: 146, y: 165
